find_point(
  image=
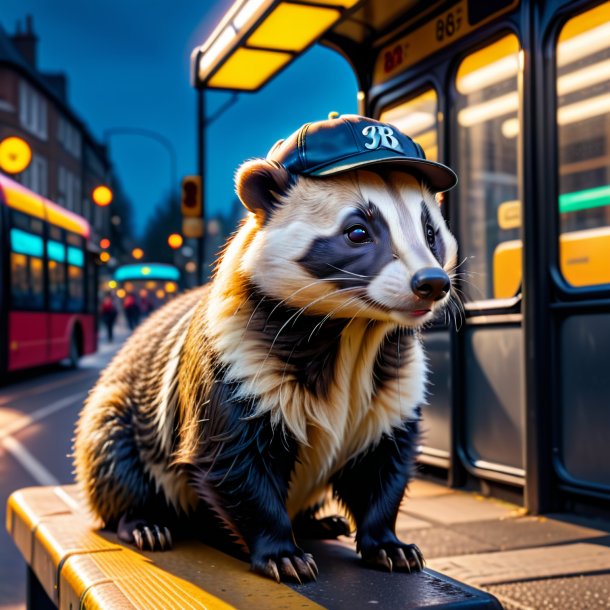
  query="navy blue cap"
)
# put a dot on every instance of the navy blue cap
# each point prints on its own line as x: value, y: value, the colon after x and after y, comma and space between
x: 350, y: 142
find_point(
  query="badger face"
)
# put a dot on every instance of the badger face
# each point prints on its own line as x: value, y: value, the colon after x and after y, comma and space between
x: 369, y: 244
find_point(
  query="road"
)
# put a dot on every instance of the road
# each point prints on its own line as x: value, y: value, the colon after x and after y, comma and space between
x: 38, y: 411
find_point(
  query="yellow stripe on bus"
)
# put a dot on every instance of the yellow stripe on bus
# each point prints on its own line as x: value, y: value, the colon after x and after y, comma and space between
x: 19, y: 198
x: 66, y: 220
x: 23, y: 200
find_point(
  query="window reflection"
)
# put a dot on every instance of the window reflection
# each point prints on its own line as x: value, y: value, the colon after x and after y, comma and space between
x: 488, y: 135
x: 583, y: 127
x: 417, y: 118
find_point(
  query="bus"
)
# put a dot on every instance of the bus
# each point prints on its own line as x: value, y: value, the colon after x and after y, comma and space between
x: 48, y: 285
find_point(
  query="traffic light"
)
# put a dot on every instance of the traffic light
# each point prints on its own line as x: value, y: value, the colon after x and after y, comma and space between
x: 191, y: 197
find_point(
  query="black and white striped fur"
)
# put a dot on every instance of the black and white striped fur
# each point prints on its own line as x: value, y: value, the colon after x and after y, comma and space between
x: 297, y: 369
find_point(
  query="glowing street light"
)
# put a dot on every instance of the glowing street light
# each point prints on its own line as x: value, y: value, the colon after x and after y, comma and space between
x: 15, y: 155
x: 105, y: 243
x: 102, y: 195
x: 137, y: 253
x: 175, y: 241
x: 104, y: 257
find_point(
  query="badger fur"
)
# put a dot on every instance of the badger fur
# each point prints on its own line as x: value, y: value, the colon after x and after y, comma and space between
x: 298, y: 369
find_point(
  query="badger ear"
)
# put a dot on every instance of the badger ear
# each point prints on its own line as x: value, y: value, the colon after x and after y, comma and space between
x: 260, y: 183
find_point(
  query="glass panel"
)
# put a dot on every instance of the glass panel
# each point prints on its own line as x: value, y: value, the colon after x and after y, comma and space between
x: 36, y: 283
x: 20, y: 289
x: 417, y: 118
x: 583, y: 128
x: 25, y: 243
x: 488, y: 143
x: 26, y: 282
x: 76, y: 288
x: 57, y: 285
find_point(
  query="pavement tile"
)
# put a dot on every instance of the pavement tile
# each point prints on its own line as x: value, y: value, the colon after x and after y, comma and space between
x: 574, y: 593
x: 459, y: 507
x: 442, y: 541
x: 527, y: 532
x: 420, y: 488
x: 528, y: 564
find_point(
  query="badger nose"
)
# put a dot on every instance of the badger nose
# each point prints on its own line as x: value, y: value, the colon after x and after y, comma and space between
x: 431, y: 283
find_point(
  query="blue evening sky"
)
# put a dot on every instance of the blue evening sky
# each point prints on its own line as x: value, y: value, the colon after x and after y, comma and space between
x: 128, y: 66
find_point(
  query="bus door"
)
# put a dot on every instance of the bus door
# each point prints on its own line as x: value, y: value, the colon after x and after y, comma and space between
x: 490, y: 363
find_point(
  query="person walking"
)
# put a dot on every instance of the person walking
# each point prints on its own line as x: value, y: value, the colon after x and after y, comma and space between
x: 132, y: 310
x: 109, y: 315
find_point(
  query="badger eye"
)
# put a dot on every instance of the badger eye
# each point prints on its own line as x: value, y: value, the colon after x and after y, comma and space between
x: 357, y: 234
x: 430, y: 235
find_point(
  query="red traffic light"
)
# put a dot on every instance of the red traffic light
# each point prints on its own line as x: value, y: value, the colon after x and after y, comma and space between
x: 191, y: 196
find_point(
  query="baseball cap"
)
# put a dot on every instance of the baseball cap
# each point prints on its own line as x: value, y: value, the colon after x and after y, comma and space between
x: 350, y: 141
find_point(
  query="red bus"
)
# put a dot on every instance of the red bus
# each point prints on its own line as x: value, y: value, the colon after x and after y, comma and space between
x: 48, y: 288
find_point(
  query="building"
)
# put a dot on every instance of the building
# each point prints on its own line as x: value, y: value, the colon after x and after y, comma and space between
x: 67, y: 162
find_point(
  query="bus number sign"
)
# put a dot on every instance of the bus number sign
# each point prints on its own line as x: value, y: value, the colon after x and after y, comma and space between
x: 449, y: 25
x: 433, y: 36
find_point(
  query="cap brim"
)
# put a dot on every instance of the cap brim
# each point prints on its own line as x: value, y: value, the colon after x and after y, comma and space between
x: 439, y: 177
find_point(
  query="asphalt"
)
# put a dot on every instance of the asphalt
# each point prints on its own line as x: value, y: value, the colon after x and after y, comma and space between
x: 38, y: 411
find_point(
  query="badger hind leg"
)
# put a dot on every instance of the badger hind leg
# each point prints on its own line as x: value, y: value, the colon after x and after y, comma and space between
x: 309, y: 527
x: 112, y: 477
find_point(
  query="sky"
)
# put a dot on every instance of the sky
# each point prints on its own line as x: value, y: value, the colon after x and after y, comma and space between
x: 127, y: 62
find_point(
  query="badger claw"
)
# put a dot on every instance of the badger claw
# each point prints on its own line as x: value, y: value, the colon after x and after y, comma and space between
x: 401, y: 558
x: 145, y: 535
x: 293, y: 568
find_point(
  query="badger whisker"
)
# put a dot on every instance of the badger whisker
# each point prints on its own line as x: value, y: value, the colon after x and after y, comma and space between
x: 349, y: 272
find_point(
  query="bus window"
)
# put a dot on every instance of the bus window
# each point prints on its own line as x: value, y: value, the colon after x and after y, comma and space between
x: 76, y: 278
x: 488, y: 135
x: 27, y: 284
x: 583, y: 135
x: 417, y: 118
x: 56, y: 260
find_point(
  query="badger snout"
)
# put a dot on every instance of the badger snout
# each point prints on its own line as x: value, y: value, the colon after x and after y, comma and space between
x: 430, y: 283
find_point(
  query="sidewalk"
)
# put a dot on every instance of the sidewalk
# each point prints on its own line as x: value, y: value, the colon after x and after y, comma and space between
x: 559, y: 562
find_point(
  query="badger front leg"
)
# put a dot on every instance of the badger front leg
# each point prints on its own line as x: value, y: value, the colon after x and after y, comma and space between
x: 244, y: 479
x: 372, y: 486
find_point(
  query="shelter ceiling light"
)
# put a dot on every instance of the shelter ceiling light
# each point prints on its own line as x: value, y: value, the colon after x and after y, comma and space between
x: 257, y: 38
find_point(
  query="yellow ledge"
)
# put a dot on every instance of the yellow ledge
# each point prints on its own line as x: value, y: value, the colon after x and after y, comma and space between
x: 80, y: 567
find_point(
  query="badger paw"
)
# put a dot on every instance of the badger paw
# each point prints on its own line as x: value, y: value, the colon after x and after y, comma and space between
x: 291, y: 568
x: 145, y: 535
x: 395, y: 557
x: 325, y: 528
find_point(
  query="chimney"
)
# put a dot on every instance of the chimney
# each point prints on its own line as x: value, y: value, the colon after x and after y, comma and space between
x: 26, y: 42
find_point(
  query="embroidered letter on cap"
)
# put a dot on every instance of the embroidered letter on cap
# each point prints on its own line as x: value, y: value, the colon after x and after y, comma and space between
x: 380, y: 135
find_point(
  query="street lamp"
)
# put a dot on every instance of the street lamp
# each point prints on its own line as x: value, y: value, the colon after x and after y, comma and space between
x: 15, y: 155
x: 175, y: 241
x: 137, y: 253
x: 102, y: 195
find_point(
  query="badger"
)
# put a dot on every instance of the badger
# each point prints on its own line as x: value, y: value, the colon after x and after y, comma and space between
x: 297, y: 373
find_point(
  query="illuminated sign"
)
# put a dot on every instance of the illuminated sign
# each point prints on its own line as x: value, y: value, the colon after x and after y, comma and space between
x: 149, y: 271
x: 445, y: 29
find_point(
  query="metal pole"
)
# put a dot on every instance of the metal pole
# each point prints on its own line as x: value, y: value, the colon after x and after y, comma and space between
x: 201, y: 172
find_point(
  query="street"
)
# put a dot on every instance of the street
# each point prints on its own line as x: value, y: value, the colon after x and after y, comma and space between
x: 38, y: 411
